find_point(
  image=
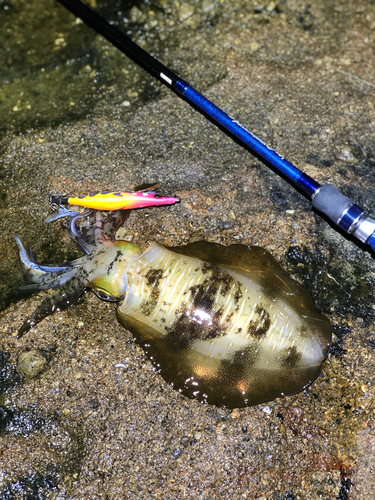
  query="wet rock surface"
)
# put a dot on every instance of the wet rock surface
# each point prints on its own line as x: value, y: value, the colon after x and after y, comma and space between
x: 78, y: 117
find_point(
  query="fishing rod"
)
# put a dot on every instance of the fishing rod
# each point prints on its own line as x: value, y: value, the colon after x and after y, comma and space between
x: 327, y: 199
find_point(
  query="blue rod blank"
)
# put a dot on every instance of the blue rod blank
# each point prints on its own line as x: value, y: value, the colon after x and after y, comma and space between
x: 256, y: 145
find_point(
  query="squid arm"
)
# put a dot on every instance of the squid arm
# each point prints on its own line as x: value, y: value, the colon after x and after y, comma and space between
x: 59, y: 300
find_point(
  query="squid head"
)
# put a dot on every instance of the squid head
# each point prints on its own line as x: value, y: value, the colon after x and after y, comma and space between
x: 107, y: 270
x: 100, y: 269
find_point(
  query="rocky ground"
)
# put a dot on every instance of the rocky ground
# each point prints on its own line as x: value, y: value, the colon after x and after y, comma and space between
x: 82, y: 414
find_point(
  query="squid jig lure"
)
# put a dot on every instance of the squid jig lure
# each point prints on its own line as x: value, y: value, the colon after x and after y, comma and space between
x: 121, y: 200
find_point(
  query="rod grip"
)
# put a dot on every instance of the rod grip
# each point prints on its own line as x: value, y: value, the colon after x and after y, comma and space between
x: 331, y: 202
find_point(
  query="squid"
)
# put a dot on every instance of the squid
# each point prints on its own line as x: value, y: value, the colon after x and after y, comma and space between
x: 224, y: 325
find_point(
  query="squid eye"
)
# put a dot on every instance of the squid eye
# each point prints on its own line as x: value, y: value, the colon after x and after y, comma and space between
x: 106, y: 296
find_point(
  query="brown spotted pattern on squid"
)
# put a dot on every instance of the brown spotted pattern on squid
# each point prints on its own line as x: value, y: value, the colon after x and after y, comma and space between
x: 291, y: 357
x: 259, y: 327
x: 153, y: 278
x: 190, y: 325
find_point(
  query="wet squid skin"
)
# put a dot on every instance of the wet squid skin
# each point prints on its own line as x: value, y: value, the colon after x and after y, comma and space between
x: 224, y: 325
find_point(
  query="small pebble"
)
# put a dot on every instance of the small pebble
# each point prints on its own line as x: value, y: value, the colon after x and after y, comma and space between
x: 197, y: 436
x: 185, y: 11
x: 30, y: 363
x: 137, y: 16
x: 254, y: 46
x: 222, y: 225
x: 177, y: 453
x: 207, y: 6
x: 346, y: 152
x: 235, y: 413
x: 231, y: 215
x: 185, y: 441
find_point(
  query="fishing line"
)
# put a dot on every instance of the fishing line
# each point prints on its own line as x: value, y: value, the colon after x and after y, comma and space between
x: 342, y: 211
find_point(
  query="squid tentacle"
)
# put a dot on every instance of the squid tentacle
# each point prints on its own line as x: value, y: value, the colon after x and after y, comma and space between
x: 73, y: 231
x: 34, y: 271
x: 50, y: 267
x: 87, y: 248
x: 58, y: 214
x: 62, y: 266
x: 53, y: 280
x: 58, y: 301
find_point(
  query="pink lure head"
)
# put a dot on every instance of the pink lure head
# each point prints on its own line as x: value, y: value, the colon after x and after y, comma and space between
x: 148, y: 199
